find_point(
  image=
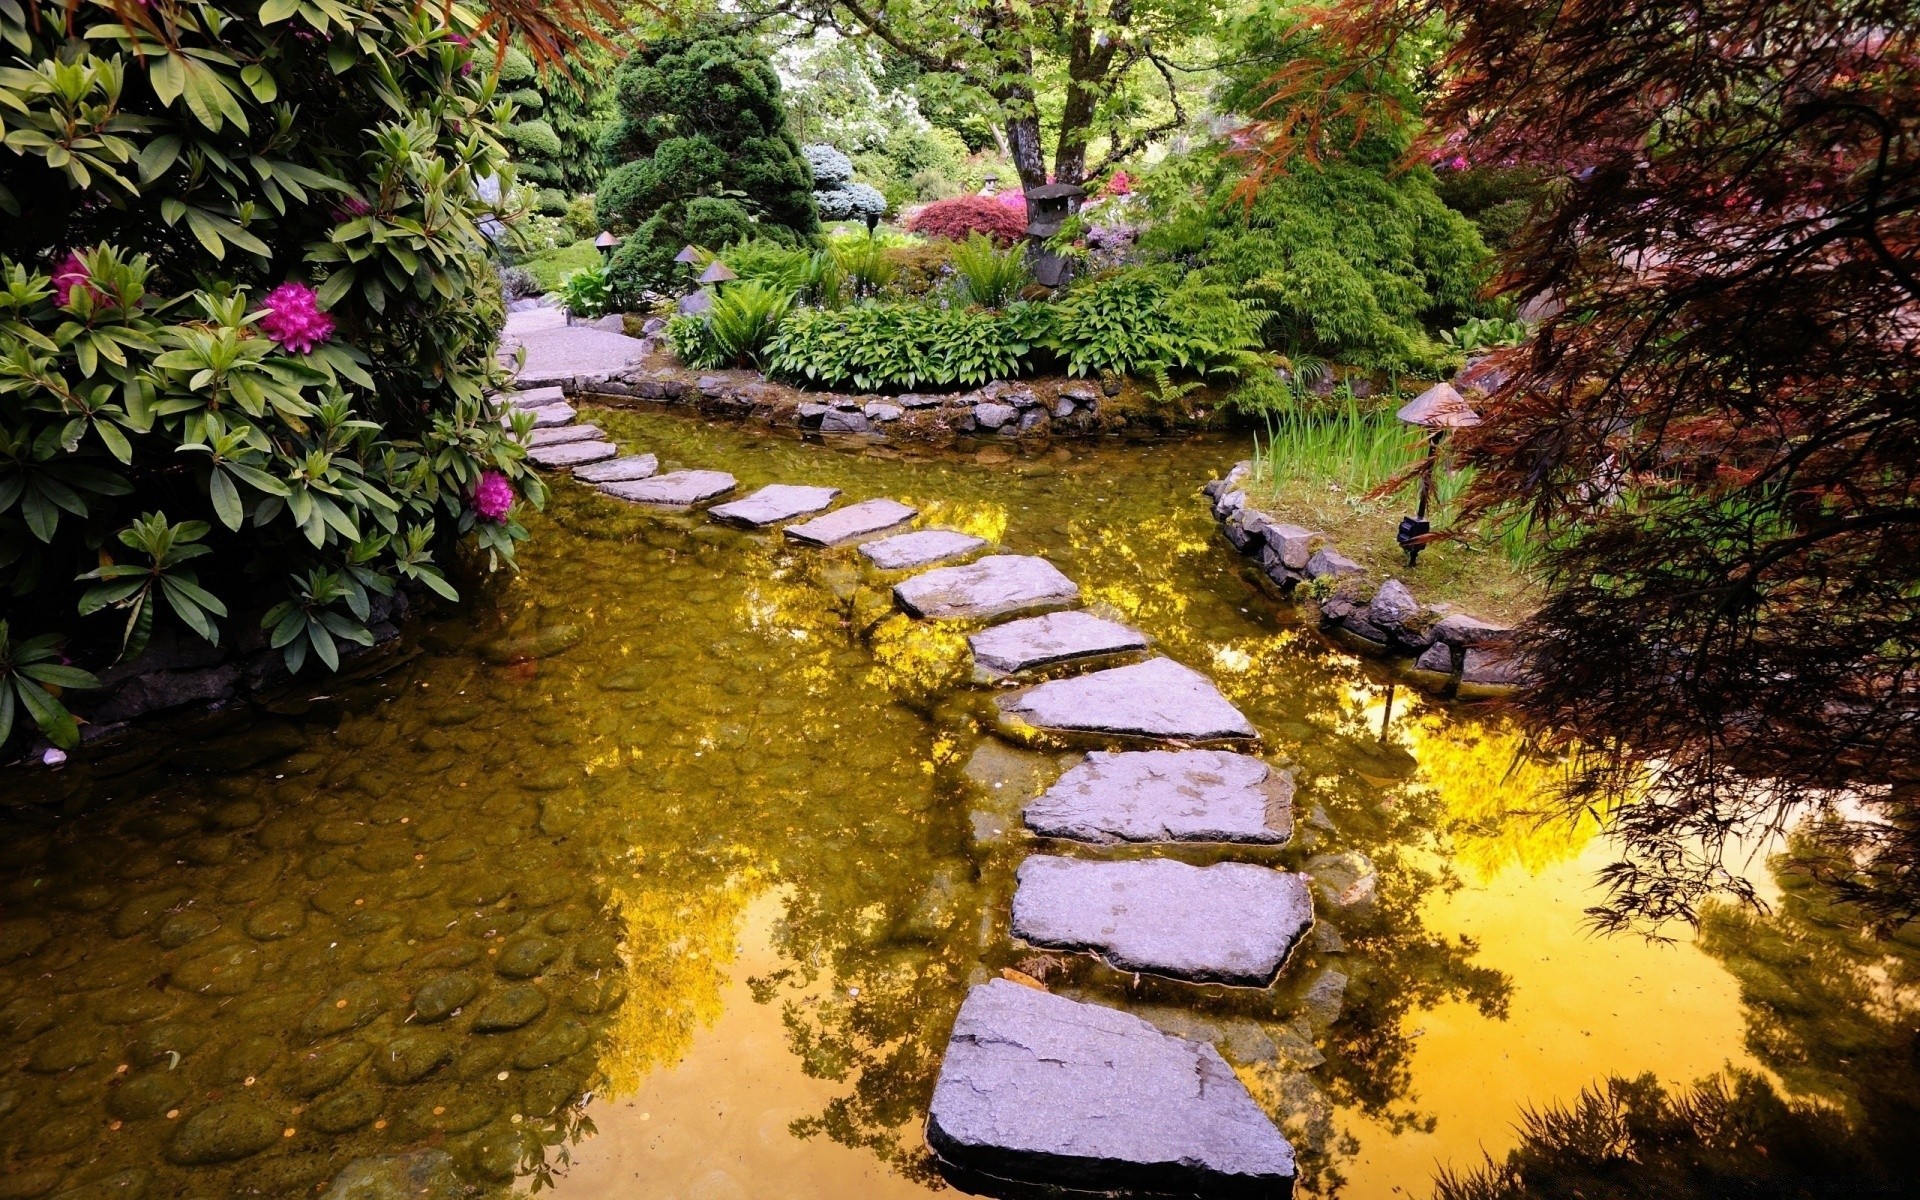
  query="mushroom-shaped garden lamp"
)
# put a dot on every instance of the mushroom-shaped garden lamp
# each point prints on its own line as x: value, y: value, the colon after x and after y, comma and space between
x: 1437, y: 409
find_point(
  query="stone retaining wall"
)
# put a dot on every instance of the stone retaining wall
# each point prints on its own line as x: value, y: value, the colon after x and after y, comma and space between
x: 1450, y: 653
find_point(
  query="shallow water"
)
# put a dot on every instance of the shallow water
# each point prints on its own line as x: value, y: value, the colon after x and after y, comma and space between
x: 716, y: 845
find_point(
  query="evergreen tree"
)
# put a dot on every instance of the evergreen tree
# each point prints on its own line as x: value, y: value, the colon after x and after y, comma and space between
x: 554, y: 131
x: 699, y: 153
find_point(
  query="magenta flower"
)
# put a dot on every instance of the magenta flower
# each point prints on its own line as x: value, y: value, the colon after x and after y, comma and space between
x: 71, y: 274
x: 294, y: 320
x: 1119, y: 185
x: 351, y: 206
x: 492, y: 497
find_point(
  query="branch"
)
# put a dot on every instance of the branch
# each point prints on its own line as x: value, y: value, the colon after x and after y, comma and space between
x: 1140, y: 141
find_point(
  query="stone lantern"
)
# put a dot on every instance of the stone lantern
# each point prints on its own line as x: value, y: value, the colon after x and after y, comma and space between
x: 1437, y: 410
x: 1048, y: 208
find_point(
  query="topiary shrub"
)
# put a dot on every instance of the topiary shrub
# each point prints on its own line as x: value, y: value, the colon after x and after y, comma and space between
x: 700, y: 154
x: 835, y: 194
x: 961, y: 217
x: 556, y: 124
x: 246, y: 321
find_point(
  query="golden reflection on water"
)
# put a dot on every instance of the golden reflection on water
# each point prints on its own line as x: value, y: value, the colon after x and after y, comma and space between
x: 782, y: 797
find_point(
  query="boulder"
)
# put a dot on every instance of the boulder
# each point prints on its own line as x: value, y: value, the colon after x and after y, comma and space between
x: 993, y: 586
x: 842, y: 421
x: 1490, y: 669
x: 1158, y: 698
x: 1292, y: 544
x: 1167, y: 796
x: 992, y: 415
x: 882, y: 412
x: 1437, y: 657
x: 852, y: 523
x: 1042, y: 1091
x: 1459, y: 629
x: 1392, y: 606
x: 917, y: 400
x: 676, y: 489
x: 1049, y: 640
x: 1327, y: 562
x: 773, y: 504
x: 1232, y: 923
x: 922, y: 547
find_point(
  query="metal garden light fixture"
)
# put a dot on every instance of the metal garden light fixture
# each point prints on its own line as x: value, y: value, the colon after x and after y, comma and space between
x: 605, y: 244
x: 1437, y: 409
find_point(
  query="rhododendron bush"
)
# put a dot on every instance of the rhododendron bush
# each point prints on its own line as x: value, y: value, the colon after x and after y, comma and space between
x: 246, y: 318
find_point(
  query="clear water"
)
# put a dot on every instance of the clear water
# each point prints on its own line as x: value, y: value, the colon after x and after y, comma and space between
x: 732, y: 842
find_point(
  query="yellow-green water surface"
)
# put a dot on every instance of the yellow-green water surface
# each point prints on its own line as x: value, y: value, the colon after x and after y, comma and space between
x: 660, y: 870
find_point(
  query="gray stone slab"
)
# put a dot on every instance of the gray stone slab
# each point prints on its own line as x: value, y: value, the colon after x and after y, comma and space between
x: 560, y: 435
x: 1167, y: 796
x: 676, y: 489
x: 538, y: 397
x: 620, y: 470
x: 1049, y: 640
x: 1158, y: 698
x: 1229, y: 923
x: 921, y: 548
x: 773, y: 504
x: 994, y: 586
x: 555, y: 355
x: 852, y: 523
x: 571, y: 454
x: 548, y: 415
x: 1042, y: 1091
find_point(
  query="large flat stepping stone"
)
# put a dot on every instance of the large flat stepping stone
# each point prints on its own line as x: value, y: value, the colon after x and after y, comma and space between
x: 560, y: 435
x: 620, y: 470
x: 1043, y: 1091
x: 1167, y: 796
x: 676, y: 489
x: 773, y: 504
x: 538, y: 397
x: 921, y: 548
x: 556, y: 354
x: 571, y: 454
x: 852, y: 523
x: 1049, y: 640
x: 1230, y: 923
x: 549, y: 415
x: 994, y: 586
x: 1158, y: 698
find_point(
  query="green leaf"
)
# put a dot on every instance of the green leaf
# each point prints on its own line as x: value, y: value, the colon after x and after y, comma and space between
x: 160, y: 155
x: 274, y: 11
x: 226, y: 499
x: 49, y: 714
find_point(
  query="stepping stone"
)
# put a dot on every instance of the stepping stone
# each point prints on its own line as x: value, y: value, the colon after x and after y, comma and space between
x: 548, y: 415
x: 773, y: 504
x: 1158, y: 698
x: 560, y: 435
x: 1167, y: 796
x: 620, y: 470
x: 994, y: 586
x: 1231, y: 923
x: 922, y: 547
x: 538, y: 397
x: 851, y: 523
x: 1055, y: 638
x: 571, y: 454
x: 1037, y: 1090
x: 676, y: 489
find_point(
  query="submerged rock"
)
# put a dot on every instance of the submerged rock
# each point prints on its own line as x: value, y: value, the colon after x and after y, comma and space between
x: 421, y: 1175
x: 1167, y: 795
x: 1231, y: 923
x: 1043, y: 1091
x: 224, y: 1132
x: 1158, y: 698
x: 993, y: 586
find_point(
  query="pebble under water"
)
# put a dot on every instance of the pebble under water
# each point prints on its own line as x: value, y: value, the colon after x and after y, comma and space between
x: 660, y: 870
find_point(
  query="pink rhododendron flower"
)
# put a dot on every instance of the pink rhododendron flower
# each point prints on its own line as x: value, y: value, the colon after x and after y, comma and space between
x: 294, y: 320
x: 351, y: 206
x: 492, y: 496
x: 71, y: 274
x: 1119, y: 185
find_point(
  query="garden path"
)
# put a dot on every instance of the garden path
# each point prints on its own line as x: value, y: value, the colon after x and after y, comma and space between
x: 1037, y: 1088
x: 558, y: 353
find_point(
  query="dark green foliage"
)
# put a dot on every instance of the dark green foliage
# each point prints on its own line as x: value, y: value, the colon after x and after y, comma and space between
x: 1352, y: 262
x: 556, y: 126
x: 877, y: 347
x: 1149, y: 322
x: 698, y: 153
x: 736, y: 330
x: 1497, y: 200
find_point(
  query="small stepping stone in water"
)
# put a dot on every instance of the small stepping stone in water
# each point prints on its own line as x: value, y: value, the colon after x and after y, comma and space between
x: 538, y: 397
x: 1158, y: 698
x: 1037, y: 1089
x: 1230, y: 923
x: 920, y: 548
x: 620, y: 470
x: 548, y: 415
x: 992, y: 587
x: 1054, y: 638
x: 676, y: 489
x: 851, y: 523
x: 1167, y: 796
x: 571, y: 454
x: 560, y: 435
x: 773, y: 504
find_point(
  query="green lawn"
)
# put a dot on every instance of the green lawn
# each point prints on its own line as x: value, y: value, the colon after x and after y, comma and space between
x: 554, y: 266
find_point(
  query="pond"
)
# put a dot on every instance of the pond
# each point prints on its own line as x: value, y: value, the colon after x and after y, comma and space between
x: 649, y: 875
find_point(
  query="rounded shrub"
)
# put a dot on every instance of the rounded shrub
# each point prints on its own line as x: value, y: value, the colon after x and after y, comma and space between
x: 963, y: 216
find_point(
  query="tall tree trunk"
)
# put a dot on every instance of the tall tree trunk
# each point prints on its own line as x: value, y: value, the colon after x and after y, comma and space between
x: 1088, y: 63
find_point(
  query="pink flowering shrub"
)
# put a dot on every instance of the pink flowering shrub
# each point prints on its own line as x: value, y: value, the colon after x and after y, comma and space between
x: 71, y: 274
x: 294, y: 319
x: 492, y: 497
